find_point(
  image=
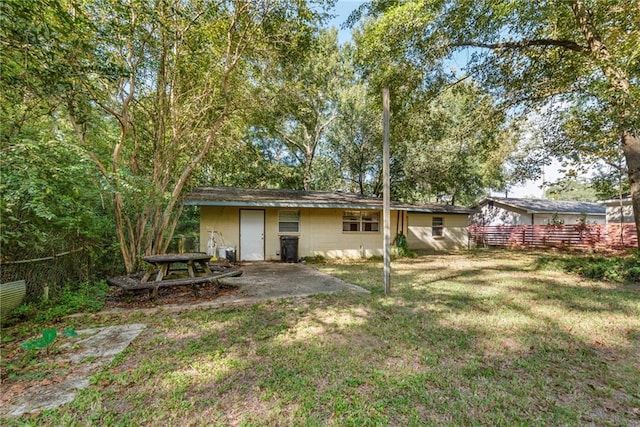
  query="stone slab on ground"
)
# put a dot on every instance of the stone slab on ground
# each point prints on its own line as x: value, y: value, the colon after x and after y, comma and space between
x: 94, y: 348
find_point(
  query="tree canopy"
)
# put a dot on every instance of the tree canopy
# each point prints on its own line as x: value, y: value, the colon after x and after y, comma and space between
x: 577, y: 58
x: 145, y: 91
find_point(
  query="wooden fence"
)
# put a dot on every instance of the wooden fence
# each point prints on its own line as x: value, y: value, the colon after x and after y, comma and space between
x: 590, y: 236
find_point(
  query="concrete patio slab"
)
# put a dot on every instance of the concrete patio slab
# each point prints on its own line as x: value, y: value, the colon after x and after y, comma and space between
x: 261, y: 281
x: 275, y: 280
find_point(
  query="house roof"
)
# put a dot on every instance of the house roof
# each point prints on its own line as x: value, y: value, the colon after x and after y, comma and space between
x: 252, y: 197
x: 626, y: 201
x: 533, y: 206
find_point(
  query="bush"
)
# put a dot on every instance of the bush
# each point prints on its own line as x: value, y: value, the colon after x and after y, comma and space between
x: 81, y: 298
x: 617, y: 269
x: 402, y: 246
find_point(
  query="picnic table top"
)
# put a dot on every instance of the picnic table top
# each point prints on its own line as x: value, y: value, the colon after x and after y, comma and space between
x: 186, y: 257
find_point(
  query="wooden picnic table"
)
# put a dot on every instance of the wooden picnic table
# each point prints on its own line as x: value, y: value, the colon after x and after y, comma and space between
x: 162, y: 263
x: 199, y: 273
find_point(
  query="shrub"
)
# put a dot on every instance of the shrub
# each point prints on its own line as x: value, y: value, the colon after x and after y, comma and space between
x: 402, y: 246
x: 82, y: 298
x: 617, y: 269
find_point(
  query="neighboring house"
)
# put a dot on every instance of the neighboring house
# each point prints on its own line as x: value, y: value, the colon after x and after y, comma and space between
x: 619, y: 211
x: 330, y: 224
x: 506, y: 211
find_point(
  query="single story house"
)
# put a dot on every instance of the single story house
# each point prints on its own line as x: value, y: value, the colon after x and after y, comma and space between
x: 507, y: 211
x: 329, y: 224
x: 619, y: 211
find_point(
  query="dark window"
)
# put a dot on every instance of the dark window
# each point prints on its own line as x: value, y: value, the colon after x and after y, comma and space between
x: 437, y: 226
x: 289, y: 222
x: 361, y: 221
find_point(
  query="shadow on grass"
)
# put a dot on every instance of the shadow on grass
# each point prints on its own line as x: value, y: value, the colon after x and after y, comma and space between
x: 448, y: 346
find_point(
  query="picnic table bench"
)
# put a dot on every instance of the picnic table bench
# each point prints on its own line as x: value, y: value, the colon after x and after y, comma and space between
x: 198, y: 271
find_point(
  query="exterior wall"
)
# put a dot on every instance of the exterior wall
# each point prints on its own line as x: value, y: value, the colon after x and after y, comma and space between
x: 224, y: 221
x: 499, y: 215
x: 617, y: 213
x: 545, y: 219
x: 320, y: 232
x: 496, y: 215
x: 454, y: 232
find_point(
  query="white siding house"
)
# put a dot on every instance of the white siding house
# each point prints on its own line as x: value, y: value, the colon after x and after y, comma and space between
x: 619, y: 211
x: 506, y: 211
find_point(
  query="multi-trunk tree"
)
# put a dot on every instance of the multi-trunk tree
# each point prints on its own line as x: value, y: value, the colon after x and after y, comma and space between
x: 148, y: 90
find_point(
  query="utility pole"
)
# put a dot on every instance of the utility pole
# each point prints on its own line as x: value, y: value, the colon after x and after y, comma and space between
x: 386, y: 197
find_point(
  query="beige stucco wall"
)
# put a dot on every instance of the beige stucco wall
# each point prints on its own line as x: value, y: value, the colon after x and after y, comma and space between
x: 454, y: 233
x: 320, y: 232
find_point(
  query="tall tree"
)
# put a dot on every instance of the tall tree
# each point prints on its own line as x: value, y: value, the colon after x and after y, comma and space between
x: 455, y: 146
x: 150, y: 89
x: 570, y: 188
x: 354, y: 142
x: 302, y: 103
x: 578, y: 52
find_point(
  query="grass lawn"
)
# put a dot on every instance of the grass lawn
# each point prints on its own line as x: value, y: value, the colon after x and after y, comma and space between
x: 479, y: 338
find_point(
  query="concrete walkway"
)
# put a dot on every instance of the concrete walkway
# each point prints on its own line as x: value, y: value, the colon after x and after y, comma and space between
x: 86, y: 354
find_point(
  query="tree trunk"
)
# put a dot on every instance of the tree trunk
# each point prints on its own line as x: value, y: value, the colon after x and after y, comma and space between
x: 631, y: 148
x: 620, y: 88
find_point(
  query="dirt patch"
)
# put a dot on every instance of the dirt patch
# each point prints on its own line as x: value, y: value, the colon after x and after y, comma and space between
x: 179, y: 295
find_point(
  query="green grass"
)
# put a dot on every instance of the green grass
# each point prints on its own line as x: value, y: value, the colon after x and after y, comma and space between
x: 73, y: 298
x: 624, y: 268
x: 484, y: 338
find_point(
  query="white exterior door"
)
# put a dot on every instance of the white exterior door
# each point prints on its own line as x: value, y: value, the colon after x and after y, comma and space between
x: 251, y: 235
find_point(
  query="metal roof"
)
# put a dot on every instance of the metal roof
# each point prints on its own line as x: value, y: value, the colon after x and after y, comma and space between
x: 253, y: 197
x: 625, y: 201
x: 533, y: 206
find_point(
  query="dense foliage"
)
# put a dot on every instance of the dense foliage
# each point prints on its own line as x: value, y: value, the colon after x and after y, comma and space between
x: 614, y: 268
x: 573, y: 65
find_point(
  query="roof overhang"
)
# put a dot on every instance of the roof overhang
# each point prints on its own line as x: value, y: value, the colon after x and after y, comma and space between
x: 526, y: 210
x: 257, y: 198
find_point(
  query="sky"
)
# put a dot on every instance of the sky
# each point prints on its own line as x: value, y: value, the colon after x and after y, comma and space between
x: 531, y: 189
x: 342, y: 10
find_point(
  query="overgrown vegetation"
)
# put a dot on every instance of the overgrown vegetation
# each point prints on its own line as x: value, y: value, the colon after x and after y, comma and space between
x: 615, y: 268
x: 402, y: 247
x: 74, y: 298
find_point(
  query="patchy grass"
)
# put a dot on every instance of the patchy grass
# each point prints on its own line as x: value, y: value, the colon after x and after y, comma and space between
x: 480, y: 338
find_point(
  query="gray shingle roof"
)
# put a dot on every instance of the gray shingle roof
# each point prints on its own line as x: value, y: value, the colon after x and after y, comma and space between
x: 253, y: 197
x: 550, y: 206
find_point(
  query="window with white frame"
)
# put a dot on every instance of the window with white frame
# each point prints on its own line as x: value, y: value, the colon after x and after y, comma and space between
x: 437, y: 226
x: 367, y: 221
x: 289, y: 221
